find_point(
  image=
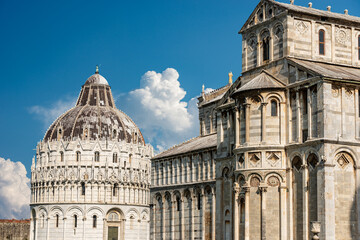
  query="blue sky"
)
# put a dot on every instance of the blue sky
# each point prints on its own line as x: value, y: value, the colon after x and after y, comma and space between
x: 49, y: 49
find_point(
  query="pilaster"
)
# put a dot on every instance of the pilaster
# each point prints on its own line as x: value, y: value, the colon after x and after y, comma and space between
x: 236, y: 216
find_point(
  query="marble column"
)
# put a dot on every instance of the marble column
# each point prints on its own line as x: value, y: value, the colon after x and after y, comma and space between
x: 263, y: 190
x: 32, y: 232
x: 64, y: 228
x: 220, y: 134
x: 258, y: 52
x: 327, y: 204
x: 47, y: 228
x: 247, y: 123
x: 309, y: 113
x: 290, y: 203
x: 203, y: 214
x: 305, y: 193
x: 193, y: 206
x: 173, y: 205
x: 236, y: 211
x: 271, y: 47
x: 83, y: 230
x: 182, y: 220
x: 246, y: 190
x: 356, y: 117
x: 357, y: 197
x: 228, y: 130
x: 163, y: 217
x: 213, y: 216
x: 283, y: 211
x: 290, y: 123
x: 263, y: 122
x: 298, y: 117
x: 237, y: 127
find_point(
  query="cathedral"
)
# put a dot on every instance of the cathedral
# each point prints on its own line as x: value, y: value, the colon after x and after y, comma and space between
x: 278, y: 151
x: 276, y: 158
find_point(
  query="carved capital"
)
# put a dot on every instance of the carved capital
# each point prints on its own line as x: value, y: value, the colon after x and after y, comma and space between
x: 304, y: 166
x: 236, y: 190
x: 263, y: 189
x: 245, y: 189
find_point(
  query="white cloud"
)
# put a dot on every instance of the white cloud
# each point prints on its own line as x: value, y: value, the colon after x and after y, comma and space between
x: 160, y: 95
x: 157, y: 107
x: 14, y: 190
x: 48, y: 114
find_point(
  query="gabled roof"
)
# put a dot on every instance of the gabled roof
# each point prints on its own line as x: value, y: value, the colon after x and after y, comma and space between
x: 261, y: 81
x: 214, y: 95
x: 302, y: 10
x: 251, y: 16
x: 195, y: 144
x: 317, y: 12
x: 329, y: 70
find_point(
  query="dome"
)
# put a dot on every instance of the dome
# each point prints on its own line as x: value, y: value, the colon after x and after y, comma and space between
x: 96, y: 79
x: 95, y: 116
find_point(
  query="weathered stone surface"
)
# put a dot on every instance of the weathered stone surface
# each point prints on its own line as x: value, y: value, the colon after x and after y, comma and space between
x: 14, y: 229
x: 287, y: 136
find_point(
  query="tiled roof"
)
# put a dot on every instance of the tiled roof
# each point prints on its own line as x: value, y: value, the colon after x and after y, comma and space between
x: 329, y: 70
x: 317, y: 12
x: 14, y: 221
x: 263, y: 80
x: 214, y: 95
x: 194, y: 144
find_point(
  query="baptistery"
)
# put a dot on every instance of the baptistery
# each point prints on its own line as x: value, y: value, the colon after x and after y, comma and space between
x: 91, y: 175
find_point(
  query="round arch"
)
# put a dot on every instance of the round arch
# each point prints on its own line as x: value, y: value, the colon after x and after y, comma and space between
x: 273, y: 96
x: 114, y: 224
x: 347, y: 150
x: 274, y: 174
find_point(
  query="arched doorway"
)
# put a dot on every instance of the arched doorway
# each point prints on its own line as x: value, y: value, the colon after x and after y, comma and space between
x: 114, y: 225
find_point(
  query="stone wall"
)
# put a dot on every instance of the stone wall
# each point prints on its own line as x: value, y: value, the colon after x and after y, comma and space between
x: 14, y: 229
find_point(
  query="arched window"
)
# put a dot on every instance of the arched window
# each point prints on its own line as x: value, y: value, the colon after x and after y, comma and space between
x: 114, y: 134
x: 97, y: 157
x: 60, y: 133
x: 199, y: 201
x: 274, y: 111
x: 86, y: 133
x: 94, y: 221
x: 61, y: 156
x: 278, y: 44
x: 78, y: 156
x: 322, y: 42
x: 266, y: 49
x: 130, y: 155
x: 113, y: 216
x: 57, y: 221
x: 114, y: 189
x: 305, y: 102
x: 83, y: 188
x: 53, y: 188
x: 75, y: 221
x: 178, y: 204
x: 115, y: 158
x: 42, y: 221
x: 359, y: 47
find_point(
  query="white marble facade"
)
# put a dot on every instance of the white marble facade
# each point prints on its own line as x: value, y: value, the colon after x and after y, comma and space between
x: 85, y: 187
x: 284, y: 138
